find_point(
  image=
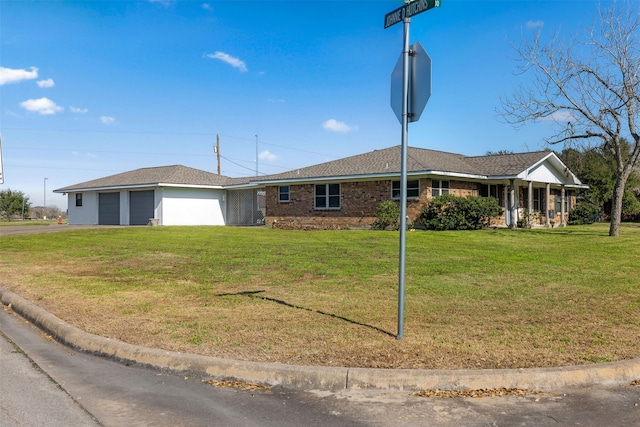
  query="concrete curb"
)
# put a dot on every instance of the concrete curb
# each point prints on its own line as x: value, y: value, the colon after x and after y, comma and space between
x: 321, y: 377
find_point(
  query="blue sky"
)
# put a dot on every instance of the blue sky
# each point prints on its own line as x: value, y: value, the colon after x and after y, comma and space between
x: 93, y: 88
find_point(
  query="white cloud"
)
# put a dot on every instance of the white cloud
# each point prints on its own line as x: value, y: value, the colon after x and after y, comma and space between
x: 535, y: 24
x: 107, y: 120
x: 207, y: 6
x: 337, y: 126
x: 46, y: 83
x: 266, y: 155
x: 77, y: 110
x: 43, y: 106
x: 233, y: 61
x: 9, y: 75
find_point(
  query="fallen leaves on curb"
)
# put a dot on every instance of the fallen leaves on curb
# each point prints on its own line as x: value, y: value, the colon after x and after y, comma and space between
x: 483, y: 392
x: 239, y: 385
x: 635, y: 383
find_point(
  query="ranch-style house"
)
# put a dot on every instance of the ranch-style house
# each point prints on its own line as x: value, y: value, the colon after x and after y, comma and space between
x: 535, y: 189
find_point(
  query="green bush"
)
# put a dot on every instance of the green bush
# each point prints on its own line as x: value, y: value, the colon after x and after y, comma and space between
x: 387, y: 216
x: 449, y: 212
x: 584, y: 213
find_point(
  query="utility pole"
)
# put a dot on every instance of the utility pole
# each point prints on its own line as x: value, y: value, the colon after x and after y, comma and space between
x: 44, y: 204
x: 217, y: 151
x: 256, y: 154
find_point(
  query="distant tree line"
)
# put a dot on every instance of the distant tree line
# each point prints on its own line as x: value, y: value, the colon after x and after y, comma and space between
x: 597, y: 168
x: 13, y: 204
x: 16, y: 205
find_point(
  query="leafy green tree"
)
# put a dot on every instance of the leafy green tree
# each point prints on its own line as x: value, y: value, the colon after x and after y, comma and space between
x: 12, y: 203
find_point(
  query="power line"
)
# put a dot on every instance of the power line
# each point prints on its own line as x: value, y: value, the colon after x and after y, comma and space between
x: 282, y: 146
x: 65, y: 168
x: 107, y: 151
x: 143, y: 132
x: 172, y: 133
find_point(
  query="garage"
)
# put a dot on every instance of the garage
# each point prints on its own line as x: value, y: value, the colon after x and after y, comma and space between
x: 109, y: 208
x: 141, y: 207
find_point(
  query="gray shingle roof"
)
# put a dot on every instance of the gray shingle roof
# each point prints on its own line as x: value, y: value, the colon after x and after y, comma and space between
x: 176, y: 174
x: 506, y: 164
x: 387, y: 161
x: 378, y: 162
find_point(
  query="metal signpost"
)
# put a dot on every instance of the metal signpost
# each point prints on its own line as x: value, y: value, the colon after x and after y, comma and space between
x: 414, y: 94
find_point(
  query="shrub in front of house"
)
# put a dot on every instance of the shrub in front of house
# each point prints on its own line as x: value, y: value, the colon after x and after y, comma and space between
x: 448, y: 212
x: 387, y: 216
x: 584, y: 213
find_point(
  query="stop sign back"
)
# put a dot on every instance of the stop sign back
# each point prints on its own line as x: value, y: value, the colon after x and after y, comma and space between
x: 419, y: 83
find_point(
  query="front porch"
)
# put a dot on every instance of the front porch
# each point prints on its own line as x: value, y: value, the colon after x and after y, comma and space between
x: 528, y: 206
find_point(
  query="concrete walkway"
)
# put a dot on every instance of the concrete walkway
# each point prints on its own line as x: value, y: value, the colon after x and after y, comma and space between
x: 320, y: 377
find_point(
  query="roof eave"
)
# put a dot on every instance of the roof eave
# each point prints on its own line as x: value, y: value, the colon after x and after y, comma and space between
x: 363, y: 177
x: 130, y: 186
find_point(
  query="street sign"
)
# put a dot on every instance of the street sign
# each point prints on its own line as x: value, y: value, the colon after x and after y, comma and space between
x: 408, y: 10
x: 419, y: 83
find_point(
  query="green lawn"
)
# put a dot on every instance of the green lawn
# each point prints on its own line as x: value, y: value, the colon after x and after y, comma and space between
x: 490, y: 298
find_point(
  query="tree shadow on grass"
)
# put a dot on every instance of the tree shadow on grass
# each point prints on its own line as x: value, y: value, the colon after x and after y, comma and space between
x: 254, y: 294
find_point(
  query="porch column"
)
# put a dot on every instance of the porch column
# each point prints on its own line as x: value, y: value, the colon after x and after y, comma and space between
x: 530, y: 204
x: 547, y: 205
x: 563, y: 223
x: 512, y: 204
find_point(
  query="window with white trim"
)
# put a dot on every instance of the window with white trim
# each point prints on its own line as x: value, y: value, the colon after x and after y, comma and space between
x: 327, y: 196
x: 283, y: 194
x: 439, y: 187
x: 413, y: 189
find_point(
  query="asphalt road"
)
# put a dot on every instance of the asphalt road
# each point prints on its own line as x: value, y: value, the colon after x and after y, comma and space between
x: 7, y: 230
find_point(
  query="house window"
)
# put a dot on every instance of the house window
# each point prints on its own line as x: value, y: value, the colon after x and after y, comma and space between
x: 327, y: 196
x: 413, y: 189
x: 567, y: 200
x: 78, y: 199
x: 538, y: 199
x: 283, y: 194
x: 492, y: 190
x: 438, y: 187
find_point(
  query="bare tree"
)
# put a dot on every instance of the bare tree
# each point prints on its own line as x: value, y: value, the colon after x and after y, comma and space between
x: 589, y: 88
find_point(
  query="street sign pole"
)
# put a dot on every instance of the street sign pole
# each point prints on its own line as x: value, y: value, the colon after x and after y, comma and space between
x: 419, y: 93
x: 403, y: 177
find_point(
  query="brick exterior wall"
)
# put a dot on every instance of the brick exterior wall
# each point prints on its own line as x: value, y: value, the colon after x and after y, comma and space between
x: 358, y: 204
x: 360, y: 199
